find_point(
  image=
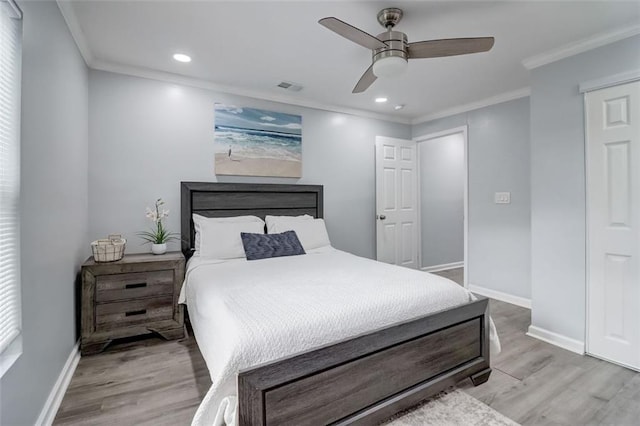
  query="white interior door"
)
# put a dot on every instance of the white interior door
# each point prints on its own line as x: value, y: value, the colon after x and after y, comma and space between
x: 396, y: 202
x: 613, y: 171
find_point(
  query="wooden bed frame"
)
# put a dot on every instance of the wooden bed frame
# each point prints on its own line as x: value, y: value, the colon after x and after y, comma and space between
x: 362, y: 380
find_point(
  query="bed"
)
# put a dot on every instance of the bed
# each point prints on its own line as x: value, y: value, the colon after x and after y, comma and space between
x: 309, y: 340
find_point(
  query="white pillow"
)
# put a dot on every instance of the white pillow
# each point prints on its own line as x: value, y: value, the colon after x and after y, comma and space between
x: 312, y: 233
x: 219, y: 238
x: 280, y: 221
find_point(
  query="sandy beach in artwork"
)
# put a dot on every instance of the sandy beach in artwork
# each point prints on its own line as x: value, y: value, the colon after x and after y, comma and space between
x: 244, y: 166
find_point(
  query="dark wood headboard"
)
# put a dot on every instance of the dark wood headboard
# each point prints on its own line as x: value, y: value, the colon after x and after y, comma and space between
x: 214, y: 199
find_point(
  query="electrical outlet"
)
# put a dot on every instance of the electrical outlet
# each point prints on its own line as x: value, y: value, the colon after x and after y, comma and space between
x: 502, y: 198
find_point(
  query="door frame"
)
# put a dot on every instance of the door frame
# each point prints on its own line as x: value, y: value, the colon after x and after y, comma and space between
x: 464, y: 130
x: 585, y: 88
x: 587, y: 200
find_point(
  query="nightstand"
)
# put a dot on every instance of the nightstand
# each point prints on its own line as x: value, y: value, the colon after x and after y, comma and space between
x: 130, y: 297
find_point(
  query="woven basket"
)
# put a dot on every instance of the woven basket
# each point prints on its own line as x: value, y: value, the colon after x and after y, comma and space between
x: 109, y: 249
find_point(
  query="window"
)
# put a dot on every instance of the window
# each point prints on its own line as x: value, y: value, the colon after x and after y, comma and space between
x: 10, y: 58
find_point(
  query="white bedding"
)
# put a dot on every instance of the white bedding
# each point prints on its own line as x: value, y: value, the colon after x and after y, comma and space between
x: 249, y: 312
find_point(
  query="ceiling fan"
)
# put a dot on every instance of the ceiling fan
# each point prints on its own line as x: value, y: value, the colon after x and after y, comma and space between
x: 391, y: 51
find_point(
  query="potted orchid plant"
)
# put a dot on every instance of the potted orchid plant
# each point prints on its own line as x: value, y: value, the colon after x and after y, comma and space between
x: 159, y: 235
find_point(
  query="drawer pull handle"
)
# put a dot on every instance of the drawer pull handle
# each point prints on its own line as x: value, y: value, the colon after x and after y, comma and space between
x: 132, y: 313
x: 137, y: 285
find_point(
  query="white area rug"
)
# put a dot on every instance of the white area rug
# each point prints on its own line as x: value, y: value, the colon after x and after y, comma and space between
x: 451, y: 408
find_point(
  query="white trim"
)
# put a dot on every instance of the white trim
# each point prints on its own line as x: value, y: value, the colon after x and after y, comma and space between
x: 419, y: 204
x: 465, y: 208
x: 10, y: 355
x: 443, y: 267
x: 70, y: 17
x: 256, y: 94
x: 494, y: 100
x: 587, y: 236
x: 16, y: 9
x: 51, y: 406
x: 580, y: 46
x: 523, y: 302
x: 609, y: 81
x: 465, y: 134
x: 556, y: 339
x: 436, y: 135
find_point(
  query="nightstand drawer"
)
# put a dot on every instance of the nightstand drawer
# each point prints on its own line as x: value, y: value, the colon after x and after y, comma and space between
x: 122, y: 314
x: 133, y: 285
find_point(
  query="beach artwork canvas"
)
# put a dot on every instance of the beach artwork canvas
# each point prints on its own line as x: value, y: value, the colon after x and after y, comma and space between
x: 255, y: 142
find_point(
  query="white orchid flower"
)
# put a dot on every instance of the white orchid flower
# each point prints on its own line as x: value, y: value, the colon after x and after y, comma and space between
x: 158, y: 234
x: 151, y: 214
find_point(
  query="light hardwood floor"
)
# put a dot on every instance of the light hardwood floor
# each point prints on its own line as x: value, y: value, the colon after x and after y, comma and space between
x: 456, y: 274
x: 535, y: 383
x: 153, y: 382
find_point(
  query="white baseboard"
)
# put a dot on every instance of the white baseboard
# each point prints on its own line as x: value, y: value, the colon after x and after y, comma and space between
x: 443, y: 267
x: 556, y: 339
x: 50, y: 409
x: 503, y: 297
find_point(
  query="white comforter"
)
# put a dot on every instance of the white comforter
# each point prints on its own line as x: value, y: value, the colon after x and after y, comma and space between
x: 249, y: 312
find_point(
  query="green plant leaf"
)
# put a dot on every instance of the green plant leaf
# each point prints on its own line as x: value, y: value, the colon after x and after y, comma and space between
x: 158, y: 236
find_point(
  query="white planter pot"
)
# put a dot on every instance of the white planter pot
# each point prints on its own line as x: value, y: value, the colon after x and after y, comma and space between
x: 159, y: 248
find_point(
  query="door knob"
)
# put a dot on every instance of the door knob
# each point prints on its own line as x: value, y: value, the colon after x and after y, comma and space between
x: 382, y: 217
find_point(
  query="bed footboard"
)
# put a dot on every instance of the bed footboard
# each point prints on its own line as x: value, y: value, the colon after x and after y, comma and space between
x: 370, y: 377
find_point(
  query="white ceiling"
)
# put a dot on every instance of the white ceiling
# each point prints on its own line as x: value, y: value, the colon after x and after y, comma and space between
x: 254, y: 45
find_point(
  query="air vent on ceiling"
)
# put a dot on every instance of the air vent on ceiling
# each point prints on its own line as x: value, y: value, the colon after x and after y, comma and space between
x: 293, y: 87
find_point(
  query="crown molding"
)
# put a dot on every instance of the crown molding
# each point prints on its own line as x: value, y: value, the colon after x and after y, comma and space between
x: 498, y: 99
x: 256, y: 94
x: 70, y: 17
x: 580, y: 46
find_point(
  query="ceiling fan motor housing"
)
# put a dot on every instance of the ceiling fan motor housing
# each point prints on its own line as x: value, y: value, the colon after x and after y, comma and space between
x: 396, y: 48
x: 389, y: 17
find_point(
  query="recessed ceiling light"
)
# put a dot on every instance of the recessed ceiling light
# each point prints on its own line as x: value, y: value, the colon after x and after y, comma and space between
x: 381, y: 100
x: 397, y: 107
x: 181, y: 57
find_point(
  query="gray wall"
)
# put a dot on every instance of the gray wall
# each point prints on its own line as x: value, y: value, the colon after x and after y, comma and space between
x: 558, y: 183
x: 442, y: 177
x: 147, y: 136
x: 54, y: 207
x: 498, y: 157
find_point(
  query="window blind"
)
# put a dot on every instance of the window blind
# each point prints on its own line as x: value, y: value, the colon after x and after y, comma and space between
x: 10, y: 59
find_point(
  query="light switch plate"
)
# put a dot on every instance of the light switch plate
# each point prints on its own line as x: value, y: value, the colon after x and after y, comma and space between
x: 502, y: 198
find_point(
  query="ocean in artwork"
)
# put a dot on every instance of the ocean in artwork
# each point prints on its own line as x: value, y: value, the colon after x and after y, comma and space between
x: 255, y: 142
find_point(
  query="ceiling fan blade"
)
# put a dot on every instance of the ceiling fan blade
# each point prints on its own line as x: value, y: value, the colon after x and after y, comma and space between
x: 352, y: 33
x: 365, y: 81
x: 449, y: 47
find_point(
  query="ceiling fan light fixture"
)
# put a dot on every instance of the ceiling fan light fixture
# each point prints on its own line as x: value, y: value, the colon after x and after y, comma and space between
x: 391, y: 49
x: 389, y: 66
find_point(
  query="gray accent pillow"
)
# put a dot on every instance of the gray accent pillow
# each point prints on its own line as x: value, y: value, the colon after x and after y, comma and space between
x: 263, y: 246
